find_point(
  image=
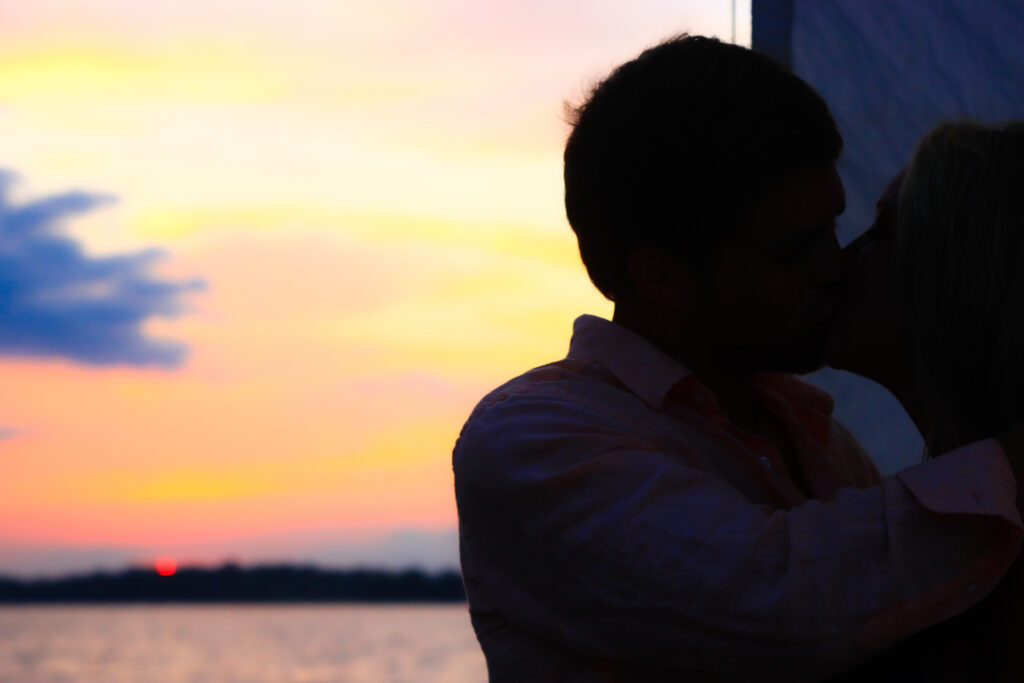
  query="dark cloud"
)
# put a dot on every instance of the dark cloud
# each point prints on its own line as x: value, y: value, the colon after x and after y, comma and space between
x: 57, y: 301
x: 8, y: 433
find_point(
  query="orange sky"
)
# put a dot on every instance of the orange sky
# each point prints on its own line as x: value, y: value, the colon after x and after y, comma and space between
x: 371, y: 193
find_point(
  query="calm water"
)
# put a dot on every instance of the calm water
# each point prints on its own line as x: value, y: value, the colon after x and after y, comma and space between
x: 250, y: 643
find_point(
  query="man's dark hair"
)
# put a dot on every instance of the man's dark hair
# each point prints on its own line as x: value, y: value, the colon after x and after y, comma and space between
x: 676, y: 146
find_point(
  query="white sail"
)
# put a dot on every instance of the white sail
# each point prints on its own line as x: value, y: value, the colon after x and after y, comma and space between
x: 890, y: 71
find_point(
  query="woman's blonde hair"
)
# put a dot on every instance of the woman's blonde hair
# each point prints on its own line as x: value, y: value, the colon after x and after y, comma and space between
x: 959, y: 251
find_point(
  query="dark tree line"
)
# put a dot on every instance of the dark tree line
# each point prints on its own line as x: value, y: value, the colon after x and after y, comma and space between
x: 232, y: 583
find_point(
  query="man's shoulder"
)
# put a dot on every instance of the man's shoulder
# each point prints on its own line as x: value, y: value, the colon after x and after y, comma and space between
x: 551, y: 379
x: 573, y: 396
x: 570, y: 382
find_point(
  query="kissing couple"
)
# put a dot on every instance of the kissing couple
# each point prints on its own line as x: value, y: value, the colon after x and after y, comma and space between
x: 671, y: 501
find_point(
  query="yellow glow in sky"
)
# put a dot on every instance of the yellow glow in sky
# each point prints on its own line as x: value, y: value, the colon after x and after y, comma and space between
x: 372, y: 194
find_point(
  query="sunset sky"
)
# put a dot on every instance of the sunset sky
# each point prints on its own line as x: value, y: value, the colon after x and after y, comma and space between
x: 261, y: 258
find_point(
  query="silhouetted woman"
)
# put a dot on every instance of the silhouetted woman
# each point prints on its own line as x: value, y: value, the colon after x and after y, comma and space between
x: 935, y: 313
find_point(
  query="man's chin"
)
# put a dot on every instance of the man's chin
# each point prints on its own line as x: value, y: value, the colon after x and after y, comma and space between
x: 852, y: 358
x: 802, y: 366
x: 793, y: 359
x: 838, y: 351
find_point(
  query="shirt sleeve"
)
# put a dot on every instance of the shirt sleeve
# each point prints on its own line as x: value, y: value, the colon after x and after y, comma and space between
x: 583, y: 533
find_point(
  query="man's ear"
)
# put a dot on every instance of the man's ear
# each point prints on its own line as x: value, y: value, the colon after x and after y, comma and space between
x: 662, y: 277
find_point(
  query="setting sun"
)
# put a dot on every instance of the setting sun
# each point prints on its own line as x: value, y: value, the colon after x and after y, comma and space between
x: 165, y: 566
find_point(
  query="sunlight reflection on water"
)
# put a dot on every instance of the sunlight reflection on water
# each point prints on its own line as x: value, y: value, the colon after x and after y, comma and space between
x: 225, y: 643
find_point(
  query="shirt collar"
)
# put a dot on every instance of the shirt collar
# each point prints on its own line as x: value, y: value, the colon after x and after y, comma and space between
x: 809, y: 404
x: 645, y: 369
x: 651, y: 374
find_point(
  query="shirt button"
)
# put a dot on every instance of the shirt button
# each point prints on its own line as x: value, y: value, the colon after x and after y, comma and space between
x: 972, y: 589
x: 765, y: 462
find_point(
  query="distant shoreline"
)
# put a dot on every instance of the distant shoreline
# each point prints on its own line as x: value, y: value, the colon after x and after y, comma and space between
x: 231, y: 584
x: 397, y: 604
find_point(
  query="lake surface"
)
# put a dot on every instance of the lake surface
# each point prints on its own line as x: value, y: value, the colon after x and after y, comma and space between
x: 235, y: 643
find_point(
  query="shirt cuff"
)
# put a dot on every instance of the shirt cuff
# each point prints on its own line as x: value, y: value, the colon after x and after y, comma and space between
x: 973, y: 479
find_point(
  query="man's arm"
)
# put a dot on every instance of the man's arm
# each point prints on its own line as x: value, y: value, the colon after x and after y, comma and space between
x: 614, y: 548
x: 972, y: 645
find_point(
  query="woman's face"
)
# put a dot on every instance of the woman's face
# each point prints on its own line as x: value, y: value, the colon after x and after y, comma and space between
x: 869, y: 335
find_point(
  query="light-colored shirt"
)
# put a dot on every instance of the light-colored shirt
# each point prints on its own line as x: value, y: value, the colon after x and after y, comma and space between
x: 616, y: 526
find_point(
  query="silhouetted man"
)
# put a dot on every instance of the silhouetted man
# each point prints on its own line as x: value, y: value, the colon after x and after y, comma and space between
x: 668, y: 502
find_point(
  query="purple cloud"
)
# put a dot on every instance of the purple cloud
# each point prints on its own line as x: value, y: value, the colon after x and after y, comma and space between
x: 57, y: 301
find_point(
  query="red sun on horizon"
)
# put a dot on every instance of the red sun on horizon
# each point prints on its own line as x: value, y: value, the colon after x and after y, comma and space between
x: 165, y: 566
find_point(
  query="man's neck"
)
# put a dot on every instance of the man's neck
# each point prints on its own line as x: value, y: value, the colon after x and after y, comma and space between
x: 733, y: 387
x: 733, y: 391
